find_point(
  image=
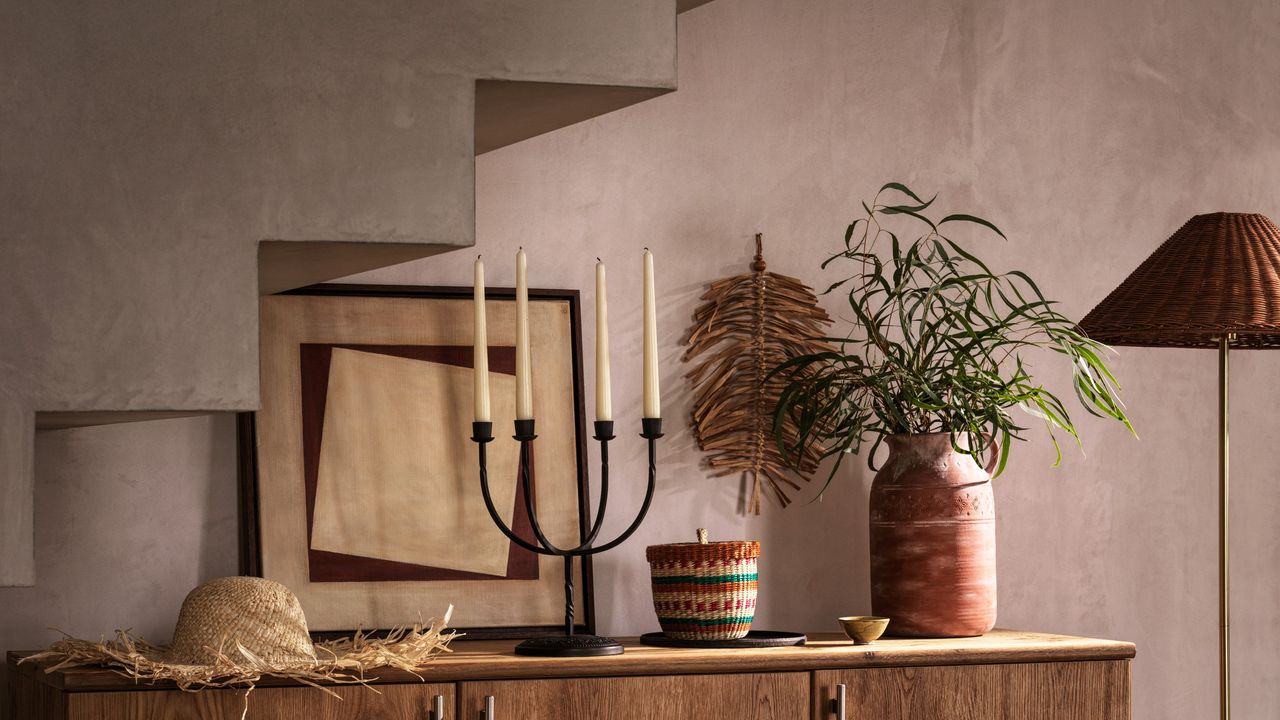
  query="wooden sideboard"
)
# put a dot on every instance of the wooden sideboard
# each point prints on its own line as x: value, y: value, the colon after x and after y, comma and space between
x: 1005, y: 675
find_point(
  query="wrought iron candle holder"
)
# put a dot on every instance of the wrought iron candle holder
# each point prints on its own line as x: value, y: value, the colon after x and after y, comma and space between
x: 569, y: 644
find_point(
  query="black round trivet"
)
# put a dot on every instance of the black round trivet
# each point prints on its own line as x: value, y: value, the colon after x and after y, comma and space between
x: 754, y: 639
x: 570, y: 646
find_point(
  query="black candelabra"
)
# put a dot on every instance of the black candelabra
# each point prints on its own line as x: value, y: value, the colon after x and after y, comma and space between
x: 569, y: 644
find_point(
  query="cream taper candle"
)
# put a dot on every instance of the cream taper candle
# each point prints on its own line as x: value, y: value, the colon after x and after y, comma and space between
x: 480, y: 353
x: 604, y: 398
x: 652, y: 401
x: 524, y: 381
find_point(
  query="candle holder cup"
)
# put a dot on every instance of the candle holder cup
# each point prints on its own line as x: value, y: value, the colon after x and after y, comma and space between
x: 569, y: 644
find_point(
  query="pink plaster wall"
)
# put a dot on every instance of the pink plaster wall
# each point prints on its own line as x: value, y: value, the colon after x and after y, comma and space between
x: 1088, y: 130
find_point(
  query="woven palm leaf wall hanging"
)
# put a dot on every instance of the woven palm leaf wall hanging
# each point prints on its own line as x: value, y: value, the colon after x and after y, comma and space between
x: 745, y: 327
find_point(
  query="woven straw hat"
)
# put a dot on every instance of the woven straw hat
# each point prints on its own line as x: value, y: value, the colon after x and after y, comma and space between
x: 234, y: 630
x: 260, y: 615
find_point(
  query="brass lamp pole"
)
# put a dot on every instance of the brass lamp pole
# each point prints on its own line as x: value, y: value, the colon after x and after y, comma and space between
x: 1224, y: 531
x: 1214, y: 284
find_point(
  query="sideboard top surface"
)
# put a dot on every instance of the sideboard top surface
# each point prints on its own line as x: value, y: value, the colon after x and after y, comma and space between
x: 494, y: 659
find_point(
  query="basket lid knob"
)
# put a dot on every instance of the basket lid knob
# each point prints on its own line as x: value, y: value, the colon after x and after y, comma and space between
x: 702, y: 536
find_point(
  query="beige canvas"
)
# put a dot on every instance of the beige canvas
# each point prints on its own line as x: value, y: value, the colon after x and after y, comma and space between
x: 396, y: 436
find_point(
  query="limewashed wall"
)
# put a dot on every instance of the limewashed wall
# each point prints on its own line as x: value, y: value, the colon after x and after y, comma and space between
x: 1089, y: 131
x: 149, y: 146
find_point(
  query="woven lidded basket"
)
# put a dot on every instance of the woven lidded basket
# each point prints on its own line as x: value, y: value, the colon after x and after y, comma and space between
x: 704, y: 590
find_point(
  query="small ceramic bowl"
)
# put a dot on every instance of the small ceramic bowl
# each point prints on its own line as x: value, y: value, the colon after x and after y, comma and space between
x: 864, y: 629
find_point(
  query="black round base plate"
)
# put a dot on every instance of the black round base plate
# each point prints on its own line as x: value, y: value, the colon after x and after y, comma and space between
x: 754, y: 639
x: 570, y: 646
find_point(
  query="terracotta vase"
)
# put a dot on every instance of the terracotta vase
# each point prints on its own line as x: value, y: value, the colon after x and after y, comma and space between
x: 933, y: 541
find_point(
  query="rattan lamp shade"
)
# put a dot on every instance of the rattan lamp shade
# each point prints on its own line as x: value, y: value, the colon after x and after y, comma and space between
x: 1214, y: 284
x: 1218, y: 275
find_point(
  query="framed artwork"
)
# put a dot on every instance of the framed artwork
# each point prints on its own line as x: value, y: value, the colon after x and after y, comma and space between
x: 360, y: 484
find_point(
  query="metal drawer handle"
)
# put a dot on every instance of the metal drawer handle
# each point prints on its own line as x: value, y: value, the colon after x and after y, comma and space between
x: 438, y: 704
x: 837, y: 705
x: 488, y: 708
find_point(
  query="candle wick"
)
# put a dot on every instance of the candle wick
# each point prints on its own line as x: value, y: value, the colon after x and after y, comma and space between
x: 598, y: 259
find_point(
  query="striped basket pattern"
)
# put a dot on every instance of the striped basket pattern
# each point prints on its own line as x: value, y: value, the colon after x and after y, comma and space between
x: 705, y: 591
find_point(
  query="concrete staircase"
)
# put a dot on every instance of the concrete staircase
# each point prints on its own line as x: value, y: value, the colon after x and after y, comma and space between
x: 162, y: 164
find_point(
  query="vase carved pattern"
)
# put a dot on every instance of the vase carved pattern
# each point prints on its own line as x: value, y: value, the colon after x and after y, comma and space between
x: 933, y: 545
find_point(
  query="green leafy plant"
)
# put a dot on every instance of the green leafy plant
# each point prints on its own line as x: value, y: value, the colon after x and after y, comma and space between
x: 937, y: 346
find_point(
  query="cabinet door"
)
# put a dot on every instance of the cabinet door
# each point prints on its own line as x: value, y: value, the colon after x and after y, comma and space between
x: 1093, y: 690
x: 387, y: 702
x: 769, y: 696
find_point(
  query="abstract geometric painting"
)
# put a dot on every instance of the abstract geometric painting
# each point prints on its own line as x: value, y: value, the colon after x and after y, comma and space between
x: 368, y: 500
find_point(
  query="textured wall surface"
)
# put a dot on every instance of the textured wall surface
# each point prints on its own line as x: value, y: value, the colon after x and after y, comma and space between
x: 148, y: 147
x: 1089, y: 131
